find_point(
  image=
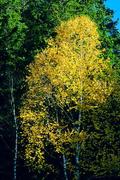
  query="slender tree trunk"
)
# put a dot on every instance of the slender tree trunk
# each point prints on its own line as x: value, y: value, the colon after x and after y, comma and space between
x: 15, y: 126
x: 65, y: 167
x: 77, y: 158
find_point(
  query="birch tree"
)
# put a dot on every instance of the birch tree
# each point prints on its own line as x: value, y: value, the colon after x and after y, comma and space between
x: 66, y: 78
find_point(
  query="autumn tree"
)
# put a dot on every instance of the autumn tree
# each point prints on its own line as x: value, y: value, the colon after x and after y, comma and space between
x: 65, y: 79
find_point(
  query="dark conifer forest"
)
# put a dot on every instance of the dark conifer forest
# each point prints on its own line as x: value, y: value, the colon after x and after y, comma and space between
x: 59, y: 90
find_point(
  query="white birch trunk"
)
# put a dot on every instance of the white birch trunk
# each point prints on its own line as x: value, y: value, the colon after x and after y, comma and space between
x: 77, y: 158
x: 16, y: 127
x: 65, y: 167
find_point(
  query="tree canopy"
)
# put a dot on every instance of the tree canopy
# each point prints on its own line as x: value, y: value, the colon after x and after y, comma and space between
x: 67, y: 77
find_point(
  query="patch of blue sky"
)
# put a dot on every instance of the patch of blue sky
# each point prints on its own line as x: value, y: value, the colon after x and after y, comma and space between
x: 115, y: 6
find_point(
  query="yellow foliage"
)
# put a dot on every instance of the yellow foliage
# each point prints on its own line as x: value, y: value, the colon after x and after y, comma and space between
x: 70, y: 66
x: 67, y: 72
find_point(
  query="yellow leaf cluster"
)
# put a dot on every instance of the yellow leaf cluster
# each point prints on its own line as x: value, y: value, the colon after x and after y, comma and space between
x: 70, y: 66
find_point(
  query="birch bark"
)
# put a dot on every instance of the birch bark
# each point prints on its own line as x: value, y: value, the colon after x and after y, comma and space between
x: 65, y: 167
x: 15, y: 126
